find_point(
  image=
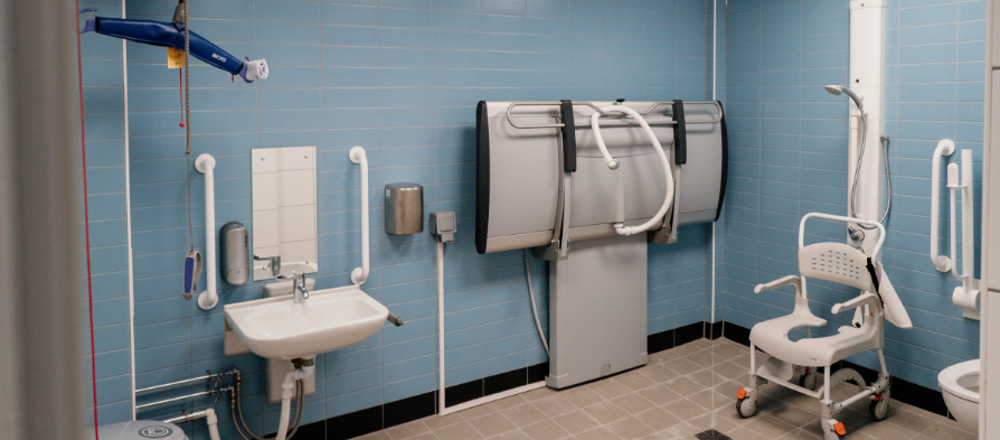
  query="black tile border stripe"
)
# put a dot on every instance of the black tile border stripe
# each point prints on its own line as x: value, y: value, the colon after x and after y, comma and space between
x: 464, y: 392
x: 352, y: 425
x: 391, y: 414
x: 902, y: 390
x: 376, y: 418
x: 666, y: 340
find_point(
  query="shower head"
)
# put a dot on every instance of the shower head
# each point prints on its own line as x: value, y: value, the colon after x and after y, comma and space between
x: 837, y: 90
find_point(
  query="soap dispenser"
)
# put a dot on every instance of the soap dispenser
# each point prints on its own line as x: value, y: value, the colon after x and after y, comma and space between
x: 234, y: 253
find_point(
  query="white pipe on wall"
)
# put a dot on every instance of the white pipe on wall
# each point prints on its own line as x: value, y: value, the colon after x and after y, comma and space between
x: 441, y: 366
x: 442, y: 409
x: 205, y: 163
x: 944, y: 148
x: 989, y: 376
x: 715, y: 46
x: 128, y: 225
x: 360, y: 275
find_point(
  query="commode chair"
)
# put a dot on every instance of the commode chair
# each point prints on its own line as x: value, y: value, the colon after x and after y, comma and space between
x: 799, y: 359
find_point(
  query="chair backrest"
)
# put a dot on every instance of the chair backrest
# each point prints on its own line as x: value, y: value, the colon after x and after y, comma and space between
x: 835, y: 262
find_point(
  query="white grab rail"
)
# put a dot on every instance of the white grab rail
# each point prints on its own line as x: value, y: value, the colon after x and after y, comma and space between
x: 944, y: 148
x: 360, y: 274
x: 205, y: 163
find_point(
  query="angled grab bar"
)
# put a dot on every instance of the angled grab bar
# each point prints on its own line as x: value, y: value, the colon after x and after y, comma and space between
x: 944, y: 148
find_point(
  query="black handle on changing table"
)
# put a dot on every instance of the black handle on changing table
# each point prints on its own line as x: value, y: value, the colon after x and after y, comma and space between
x: 680, y: 134
x: 569, y: 136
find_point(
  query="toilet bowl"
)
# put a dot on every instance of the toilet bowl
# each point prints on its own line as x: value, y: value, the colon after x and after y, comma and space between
x: 960, y: 387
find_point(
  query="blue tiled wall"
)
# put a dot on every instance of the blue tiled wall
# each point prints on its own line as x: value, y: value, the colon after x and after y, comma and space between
x: 401, y: 78
x: 789, y: 157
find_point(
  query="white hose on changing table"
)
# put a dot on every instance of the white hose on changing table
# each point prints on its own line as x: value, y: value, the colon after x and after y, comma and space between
x: 613, y: 164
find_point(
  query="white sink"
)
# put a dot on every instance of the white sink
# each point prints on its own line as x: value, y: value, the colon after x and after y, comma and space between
x: 328, y: 320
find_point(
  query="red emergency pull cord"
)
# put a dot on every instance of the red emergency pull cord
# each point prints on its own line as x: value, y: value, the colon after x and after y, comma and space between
x: 86, y: 224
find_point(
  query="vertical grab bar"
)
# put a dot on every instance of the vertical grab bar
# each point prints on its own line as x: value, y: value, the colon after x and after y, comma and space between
x: 205, y: 163
x: 944, y: 148
x: 360, y: 274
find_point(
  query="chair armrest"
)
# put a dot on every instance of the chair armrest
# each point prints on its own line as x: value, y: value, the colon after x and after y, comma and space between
x: 865, y: 299
x: 791, y: 280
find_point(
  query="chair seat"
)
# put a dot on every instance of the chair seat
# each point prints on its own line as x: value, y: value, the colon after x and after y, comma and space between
x: 772, y: 337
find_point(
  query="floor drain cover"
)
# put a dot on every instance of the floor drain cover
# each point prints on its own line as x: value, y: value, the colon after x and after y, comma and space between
x: 712, y: 434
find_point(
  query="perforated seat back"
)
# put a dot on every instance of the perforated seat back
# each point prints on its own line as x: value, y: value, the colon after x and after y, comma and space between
x: 835, y: 262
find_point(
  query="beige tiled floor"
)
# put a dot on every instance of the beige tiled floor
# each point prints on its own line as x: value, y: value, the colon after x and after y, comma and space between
x: 680, y: 392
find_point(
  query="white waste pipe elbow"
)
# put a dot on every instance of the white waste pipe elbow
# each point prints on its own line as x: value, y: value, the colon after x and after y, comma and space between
x: 213, y: 424
x: 287, y: 392
x: 612, y: 163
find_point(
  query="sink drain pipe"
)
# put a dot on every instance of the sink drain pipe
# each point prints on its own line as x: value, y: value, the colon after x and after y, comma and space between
x: 303, y: 370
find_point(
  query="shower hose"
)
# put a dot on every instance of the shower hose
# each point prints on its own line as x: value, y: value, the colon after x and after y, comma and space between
x: 614, y: 164
x: 857, y: 172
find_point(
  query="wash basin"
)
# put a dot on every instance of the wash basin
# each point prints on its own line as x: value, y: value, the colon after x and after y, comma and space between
x: 328, y: 320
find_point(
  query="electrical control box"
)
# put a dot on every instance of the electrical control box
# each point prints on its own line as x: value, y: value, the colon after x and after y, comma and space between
x: 444, y: 225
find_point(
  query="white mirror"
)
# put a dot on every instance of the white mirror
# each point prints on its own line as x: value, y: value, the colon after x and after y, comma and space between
x: 284, y: 211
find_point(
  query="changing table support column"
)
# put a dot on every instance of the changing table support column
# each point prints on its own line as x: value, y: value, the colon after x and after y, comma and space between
x: 597, y: 310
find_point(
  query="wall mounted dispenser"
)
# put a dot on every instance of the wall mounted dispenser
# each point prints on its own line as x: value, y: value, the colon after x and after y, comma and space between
x: 404, y: 208
x: 234, y: 253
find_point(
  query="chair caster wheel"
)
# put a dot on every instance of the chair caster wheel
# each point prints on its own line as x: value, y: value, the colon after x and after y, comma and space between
x: 809, y: 381
x: 879, y: 409
x: 834, y: 431
x: 746, y: 407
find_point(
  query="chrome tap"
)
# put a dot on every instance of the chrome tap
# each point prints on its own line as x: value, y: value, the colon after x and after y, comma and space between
x: 300, y: 292
x: 274, y: 263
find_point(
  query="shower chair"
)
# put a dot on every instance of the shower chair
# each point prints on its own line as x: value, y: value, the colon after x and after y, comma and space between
x: 790, y: 359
